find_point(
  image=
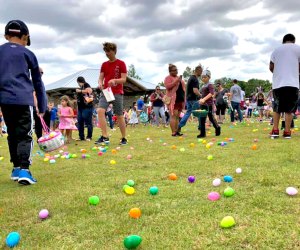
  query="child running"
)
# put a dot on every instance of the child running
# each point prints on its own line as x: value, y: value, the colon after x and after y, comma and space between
x: 66, y: 118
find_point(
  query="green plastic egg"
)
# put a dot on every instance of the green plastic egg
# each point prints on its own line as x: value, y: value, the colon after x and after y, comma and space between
x: 228, y: 192
x: 132, y: 241
x: 227, y: 222
x: 94, y: 200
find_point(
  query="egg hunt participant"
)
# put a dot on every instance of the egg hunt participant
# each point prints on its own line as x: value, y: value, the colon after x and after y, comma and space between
x: 113, y: 74
x: 175, y: 91
x: 19, y: 77
x: 284, y: 65
x: 206, y: 102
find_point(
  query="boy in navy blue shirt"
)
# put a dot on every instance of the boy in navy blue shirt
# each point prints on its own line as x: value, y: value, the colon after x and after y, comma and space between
x: 19, y: 77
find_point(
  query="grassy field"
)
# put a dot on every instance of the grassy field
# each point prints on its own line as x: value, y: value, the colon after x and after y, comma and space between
x: 180, y: 216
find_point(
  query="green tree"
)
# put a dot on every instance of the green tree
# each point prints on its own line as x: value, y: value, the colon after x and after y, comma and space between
x: 132, y: 72
x: 187, y: 73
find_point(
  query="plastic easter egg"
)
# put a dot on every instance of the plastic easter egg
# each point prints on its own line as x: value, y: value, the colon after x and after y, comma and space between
x: 83, y: 150
x: 207, y: 145
x: 100, y: 153
x: 173, y: 147
x: 52, y: 161
x: 118, y: 148
x: 213, y: 196
x: 112, y: 162
x: 209, y: 157
x: 291, y: 191
x: 1, y: 158
x: 43, y: 214
x: 216, y: 182
x: 83, y: 156
x: 13, y: 239
x: 165, y: 144
x: 125, y: 186
x: 61, y: 151
x: 182, y: 149
x: 46, y: 159
x: 132, y: 148
x: 227, y: 222
x: 130, y: 183
x: 191, y: 179
x: 192, y: 145
x: 68, y: 156
x: 204, y: 142
x: 129, y: 157
x: 200, y: 140
x: 129, y: 190
x: 114, y: 151
x: 172, y: 177
x: 132, y: 241
x: 228, y: 178
x: 153, y: 190
x: 135, y: 213
x: 228, y: 192
x: 238, y: 170
x: 74, y: 156
x: 254, y: 147
x: 255, y: 140
x: 94, y: 200
x: 148, y: 139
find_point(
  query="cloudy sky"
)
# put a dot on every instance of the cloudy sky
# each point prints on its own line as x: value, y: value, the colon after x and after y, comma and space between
x: 233, y: 38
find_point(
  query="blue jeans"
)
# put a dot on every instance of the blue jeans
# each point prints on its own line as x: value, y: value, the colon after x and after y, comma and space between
x: 159, y: 111
x: 235, y: 106
x: 190, y: 106
x: 84, y: 117
x: 110, y: 120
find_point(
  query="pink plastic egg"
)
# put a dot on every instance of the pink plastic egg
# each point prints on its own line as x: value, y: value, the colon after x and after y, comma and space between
x: 213, y: 196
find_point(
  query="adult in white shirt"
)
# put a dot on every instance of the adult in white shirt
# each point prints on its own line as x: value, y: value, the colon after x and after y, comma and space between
x: 284, y: 65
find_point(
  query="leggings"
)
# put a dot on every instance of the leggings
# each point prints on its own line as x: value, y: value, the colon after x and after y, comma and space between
x: 210, y: 117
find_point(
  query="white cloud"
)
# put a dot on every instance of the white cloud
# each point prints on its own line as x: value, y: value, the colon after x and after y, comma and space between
x: 233, y: 38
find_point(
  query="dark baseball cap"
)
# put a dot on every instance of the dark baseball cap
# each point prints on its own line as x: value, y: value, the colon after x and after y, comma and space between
x: 17, y: 27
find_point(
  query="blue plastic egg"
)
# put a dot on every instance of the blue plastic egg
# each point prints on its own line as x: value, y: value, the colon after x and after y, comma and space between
x: 228, y: 178
x: 12, y: 239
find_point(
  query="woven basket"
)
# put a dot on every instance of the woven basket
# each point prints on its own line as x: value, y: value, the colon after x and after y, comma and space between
x: 50, y: 140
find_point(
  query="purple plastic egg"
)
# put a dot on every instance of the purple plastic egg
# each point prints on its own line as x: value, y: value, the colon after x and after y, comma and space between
x: 191, y: 179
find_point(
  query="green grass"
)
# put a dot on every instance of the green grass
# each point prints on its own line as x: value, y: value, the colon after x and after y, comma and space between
x: 180, y: 216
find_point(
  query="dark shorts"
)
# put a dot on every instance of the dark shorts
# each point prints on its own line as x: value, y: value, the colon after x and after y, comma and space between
x: 117, y: 104
x: 178, y: 106
x: 285, y: 99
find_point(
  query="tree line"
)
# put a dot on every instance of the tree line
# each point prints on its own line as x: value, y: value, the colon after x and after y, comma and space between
x: 249, y: 86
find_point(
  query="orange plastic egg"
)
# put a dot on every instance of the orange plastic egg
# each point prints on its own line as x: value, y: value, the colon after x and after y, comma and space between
x: 172, y: 177
x: 135, y: 213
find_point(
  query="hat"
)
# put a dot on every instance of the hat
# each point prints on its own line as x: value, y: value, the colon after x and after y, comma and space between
x: 206, y: 73
x: 17, y: 27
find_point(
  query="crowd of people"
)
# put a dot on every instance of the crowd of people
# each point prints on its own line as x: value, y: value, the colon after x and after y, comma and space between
x: 23, y: 99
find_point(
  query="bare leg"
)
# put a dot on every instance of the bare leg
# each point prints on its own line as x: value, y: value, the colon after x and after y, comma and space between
x: 102, y: 121
x: 68, y: 135
x: 122, y: 125
x: 288, y: 121
x: 173, y: 122
x: 276, y: 118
